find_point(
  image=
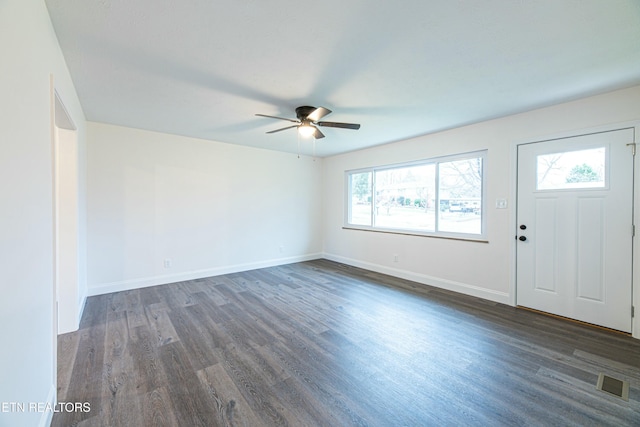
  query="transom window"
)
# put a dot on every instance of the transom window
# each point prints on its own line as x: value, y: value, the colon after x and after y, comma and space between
x: 442, y: 196
x: 572, y: 169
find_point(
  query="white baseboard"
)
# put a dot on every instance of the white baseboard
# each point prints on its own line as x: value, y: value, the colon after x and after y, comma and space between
x: 125, y: 285
x: 83, y: 303
x: 463, y: 288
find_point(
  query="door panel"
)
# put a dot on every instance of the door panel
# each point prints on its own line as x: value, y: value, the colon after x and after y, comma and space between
x: 545, y: 257
x: 575, y: 199
x: 590, y: 247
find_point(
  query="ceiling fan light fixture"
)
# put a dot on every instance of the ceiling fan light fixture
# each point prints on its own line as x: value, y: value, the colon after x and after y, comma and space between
x: 306, y: 130
x: 307, y: 122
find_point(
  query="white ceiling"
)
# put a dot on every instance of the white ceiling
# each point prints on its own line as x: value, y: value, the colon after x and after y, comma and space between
x: 203, y: 68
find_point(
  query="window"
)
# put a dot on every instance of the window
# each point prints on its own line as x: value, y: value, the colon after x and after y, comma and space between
x: 360, y: 198
x: 571, y: 169
x: 442, y: 197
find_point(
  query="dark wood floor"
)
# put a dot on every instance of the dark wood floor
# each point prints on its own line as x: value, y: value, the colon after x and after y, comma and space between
x: 323, y: 344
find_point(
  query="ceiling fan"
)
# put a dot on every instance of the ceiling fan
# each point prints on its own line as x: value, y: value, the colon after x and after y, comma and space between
x: 308, y: 120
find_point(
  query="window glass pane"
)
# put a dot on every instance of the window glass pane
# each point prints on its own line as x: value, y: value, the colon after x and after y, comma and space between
x: 571, y: 169
x: 460, y: 192
x: 360, y: 193
x: 435, y: 196
x: 405, y: 198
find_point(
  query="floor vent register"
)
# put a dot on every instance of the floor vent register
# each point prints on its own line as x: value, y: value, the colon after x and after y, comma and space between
x: 614, y: 386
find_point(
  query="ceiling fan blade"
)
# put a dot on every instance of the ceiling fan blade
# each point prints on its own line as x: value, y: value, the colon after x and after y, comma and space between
x: 317, y: 134
x: 339, y: 125
x: 279, y: 118
x: 318, y: 113
x: 285, y: 128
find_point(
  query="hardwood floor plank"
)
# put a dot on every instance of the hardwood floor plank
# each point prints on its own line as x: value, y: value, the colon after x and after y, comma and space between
x: 155, y: 409
x: 306, y: 408
x: 324, y: 344
x: 175, y: 296
x: 264, y: 404
x: 145, y: 356
x: 210, y: 334
x: 86, y: 376
x: 207, y: 300
x: 191, y: 337
x: 120, y: 403
x: 230, y: 408
x: 604, y: 406
x: 95, y: 311
x: 263, y: 363
x: 244, y: 327
x: 94, y: 421
x: 611, y: 367
x: 157, y: 314
x: 189, y: 402
x: 326, y: 385
x: 67, y: 350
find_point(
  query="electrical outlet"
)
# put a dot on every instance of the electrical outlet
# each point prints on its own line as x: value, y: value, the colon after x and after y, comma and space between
x: 167, y: 263
x: 395, y: 258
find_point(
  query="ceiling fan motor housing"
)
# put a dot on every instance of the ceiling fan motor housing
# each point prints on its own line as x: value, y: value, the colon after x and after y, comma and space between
x: 304, y: 111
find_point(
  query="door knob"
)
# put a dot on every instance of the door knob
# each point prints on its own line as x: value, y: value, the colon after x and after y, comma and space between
x: 522, y: 238
x: 523, y: 227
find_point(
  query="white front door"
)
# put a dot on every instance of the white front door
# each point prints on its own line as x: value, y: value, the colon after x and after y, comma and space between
x: 575, y: 227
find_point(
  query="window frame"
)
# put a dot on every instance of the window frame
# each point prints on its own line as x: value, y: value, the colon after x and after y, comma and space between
x: 482, y: 236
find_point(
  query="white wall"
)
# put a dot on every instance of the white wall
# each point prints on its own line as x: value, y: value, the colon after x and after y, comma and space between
x: 480, y: 269
x: 208, y: 207
x: 30, y: 55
